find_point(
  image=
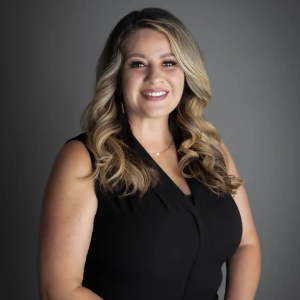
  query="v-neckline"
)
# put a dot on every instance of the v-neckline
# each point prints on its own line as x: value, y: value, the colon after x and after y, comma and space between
x: 150, y: 159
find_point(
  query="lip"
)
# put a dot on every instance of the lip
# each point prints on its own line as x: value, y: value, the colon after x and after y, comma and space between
x: 153, y: 98
x: 154, y: 90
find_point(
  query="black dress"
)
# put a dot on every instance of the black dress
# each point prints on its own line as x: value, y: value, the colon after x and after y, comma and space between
x: 164, y: 246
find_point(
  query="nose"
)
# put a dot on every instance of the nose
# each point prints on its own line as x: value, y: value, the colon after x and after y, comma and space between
x: 153, y: 75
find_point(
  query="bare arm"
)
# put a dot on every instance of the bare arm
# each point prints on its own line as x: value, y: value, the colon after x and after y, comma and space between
x: 244, y: 267
x: 66, y: 225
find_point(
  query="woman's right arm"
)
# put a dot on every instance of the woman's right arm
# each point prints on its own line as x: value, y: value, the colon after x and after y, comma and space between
x: 66, y: 225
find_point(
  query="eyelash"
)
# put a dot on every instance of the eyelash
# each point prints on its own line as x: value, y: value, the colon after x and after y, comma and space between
x: 132, y: 65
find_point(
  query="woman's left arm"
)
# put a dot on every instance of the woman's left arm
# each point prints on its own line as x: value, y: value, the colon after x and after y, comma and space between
x: 244, y: 267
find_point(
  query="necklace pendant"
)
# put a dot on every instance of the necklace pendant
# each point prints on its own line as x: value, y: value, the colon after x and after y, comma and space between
x: 157, y: 153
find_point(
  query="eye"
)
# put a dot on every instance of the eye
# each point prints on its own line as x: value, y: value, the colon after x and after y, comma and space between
x: 134, y: 63
x: 170, y: 63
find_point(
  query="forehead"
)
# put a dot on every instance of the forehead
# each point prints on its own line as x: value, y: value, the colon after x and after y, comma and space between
x: 148, y: 42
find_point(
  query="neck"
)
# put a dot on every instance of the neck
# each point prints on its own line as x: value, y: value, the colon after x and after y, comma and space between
x: 153, y: 140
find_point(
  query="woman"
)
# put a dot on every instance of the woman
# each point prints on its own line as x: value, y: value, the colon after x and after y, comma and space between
x: 147, y: 203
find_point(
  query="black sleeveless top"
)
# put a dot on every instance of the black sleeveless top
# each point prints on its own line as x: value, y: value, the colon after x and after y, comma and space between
x: 191, y: 198
x: 165, y: 246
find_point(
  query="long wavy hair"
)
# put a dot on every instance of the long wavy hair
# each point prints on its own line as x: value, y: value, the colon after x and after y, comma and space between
x: 117, y: 166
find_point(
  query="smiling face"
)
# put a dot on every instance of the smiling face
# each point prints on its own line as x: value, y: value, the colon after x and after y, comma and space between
x: 148, y: 64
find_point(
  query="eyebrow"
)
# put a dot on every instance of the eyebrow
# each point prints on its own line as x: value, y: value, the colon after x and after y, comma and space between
x: 143, y: 56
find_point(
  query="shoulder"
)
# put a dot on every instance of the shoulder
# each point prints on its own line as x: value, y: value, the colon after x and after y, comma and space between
x: 66, y: 223
x: 227, y: 156
x: 229, y: 162
x: 70, y: 166
x: 241, y: 199
x: 75, y: 154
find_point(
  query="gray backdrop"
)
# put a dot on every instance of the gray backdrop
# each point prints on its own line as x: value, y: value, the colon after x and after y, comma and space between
x: 251, y: 49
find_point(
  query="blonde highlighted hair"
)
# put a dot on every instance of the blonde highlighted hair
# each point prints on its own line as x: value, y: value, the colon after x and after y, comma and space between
x: 117, y: 166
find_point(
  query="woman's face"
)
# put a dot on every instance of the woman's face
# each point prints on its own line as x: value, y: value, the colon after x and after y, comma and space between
x: 143, y: 69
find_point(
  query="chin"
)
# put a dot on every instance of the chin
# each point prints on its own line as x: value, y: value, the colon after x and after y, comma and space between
x: 158, y: 113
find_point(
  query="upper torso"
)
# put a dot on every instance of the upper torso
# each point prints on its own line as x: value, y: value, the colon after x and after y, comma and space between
x: 163, y: 246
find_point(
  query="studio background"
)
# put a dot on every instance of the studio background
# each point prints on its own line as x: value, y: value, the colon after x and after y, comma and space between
x: 251, y: 50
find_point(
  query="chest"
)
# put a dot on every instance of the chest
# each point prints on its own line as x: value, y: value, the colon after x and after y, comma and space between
x: 169, y: 164
x: 162, y: 239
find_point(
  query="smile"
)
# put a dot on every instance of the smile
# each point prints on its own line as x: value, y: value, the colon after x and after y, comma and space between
x: 155, y: 96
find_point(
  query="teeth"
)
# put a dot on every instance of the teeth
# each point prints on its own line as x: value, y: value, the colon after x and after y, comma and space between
x: 155, y: 94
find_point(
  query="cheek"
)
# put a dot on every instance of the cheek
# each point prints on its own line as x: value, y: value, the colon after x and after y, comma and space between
x: 176, y: 76
x: 177, y: 80
x: 132, y: 82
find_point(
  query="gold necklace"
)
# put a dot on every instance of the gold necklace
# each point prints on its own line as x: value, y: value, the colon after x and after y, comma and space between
x: 157, y: 153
